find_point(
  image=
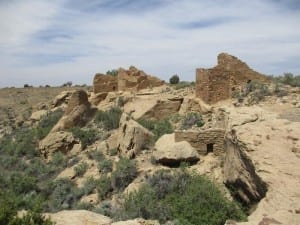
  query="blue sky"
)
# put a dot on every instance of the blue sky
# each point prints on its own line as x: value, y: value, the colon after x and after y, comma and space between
x: 52, y: 42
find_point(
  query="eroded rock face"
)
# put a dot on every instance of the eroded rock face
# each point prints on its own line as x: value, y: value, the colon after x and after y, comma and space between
x: 217, y: 83
x: 163, y: 108
x: 132, y: 137
x: 135, y: 80
x: 105, y: 83
x: 171, y: 153
x: 190, y: 104
x: 62, y: 98
x: 77, y: 113
x: 57, y: 142
x: 240, y: 175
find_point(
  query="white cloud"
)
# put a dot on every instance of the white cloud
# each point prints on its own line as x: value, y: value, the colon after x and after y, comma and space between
x: 51, y: 42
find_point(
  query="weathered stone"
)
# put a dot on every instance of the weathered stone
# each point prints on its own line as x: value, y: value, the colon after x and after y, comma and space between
x: 57, y: 142
x: 163, y: 108
x: 95, y: 99
x: 62, y: 98
x: 204, y: 141
x: 105, y: 83
x: 171, y: 153
x: 135, y: 80
x: 138, y: 221
x: 240, y: 175
x: 38, y: 115
x: 132, y: 137
x: 77, y: 113
x: 79, y: 217
x: 191, y: 104
x: 216, y: 84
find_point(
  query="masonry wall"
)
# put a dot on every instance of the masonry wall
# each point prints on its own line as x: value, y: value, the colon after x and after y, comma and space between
x: 200, y: 139
x: 105, y: 83
x: 212, y: 85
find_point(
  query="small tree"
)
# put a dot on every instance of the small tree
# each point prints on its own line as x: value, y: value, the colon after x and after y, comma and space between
x: 174, y: 79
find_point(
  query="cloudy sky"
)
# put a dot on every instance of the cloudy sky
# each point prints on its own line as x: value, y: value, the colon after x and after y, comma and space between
x: 55, y: 41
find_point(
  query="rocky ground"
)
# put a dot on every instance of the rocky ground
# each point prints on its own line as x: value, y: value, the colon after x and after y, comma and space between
x: 268, y: 133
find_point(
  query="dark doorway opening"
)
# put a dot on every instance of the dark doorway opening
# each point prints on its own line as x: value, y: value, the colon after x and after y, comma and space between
x: 210, y: 148
x: 114, y: 88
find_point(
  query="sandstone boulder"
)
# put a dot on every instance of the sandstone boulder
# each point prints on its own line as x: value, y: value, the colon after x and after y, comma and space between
x: 137, y: 222
x: 191, y: 104
x: 135, y: 80
x: 57, y: 142
x: 240, y: 175
x: 62, y: 98
x: 95, y: 99
x: 105, y: 83
x: 38, y: 115
x: 77, y: 113
x: 132, y: 137
x: 79, y: 217
x: 171, y: 153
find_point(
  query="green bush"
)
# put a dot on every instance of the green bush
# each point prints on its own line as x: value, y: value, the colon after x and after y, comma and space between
x: 187, y: 198
x: 183, y: 84
x: 47, y: 123
x: 124, y: 174
x: 63, y: 194
x: 109, y: 119
x: 95, y: 155
x: 86, y: 136
x: 80, y: 169
x: 113, y: 72
x: 174, y: 79
x: 104, y: 187
x: 290, y: 79
x: 157, y: 127
x: 192, y: 119
x: 89, y: 185
x: 105, y: 166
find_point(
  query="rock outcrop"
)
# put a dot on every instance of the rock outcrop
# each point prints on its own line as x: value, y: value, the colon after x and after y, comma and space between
x: 62, y: 98
x: 135, y: 80
x: 171, y: 153
x: 132, y: 137
x: 240, y: 176
x: 105, y: 83
x: 192, y: 104
x: 77, y: 113
x: 218, y: 83
x: 58, y: 142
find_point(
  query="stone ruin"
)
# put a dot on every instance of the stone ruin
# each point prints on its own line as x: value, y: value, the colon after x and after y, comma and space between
x: 218, y: 83
x: 132, y: 79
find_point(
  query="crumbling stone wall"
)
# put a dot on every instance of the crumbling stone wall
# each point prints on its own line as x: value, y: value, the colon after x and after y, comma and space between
x: 105, y: 83
x: 203, y: 141
x: 135, y: 80
x: 217, y: 83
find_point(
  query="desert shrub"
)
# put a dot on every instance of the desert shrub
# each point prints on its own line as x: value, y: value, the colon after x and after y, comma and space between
x: 104, y: 208
x: 59, y: 160
x: 120, y: 101
x: 192, y: 119
x: 103, y: 186
x: 157, y: 127
x: 80, y: 169
x: 290, y: 79
x: 113, y: 72
x: 86, y: 136
x: 73, y: 161
x: 95, y: 155
x: 188, y: 198
x: 105, y: 166
x: 63, y: 194
x: 109, y: 119
x: 113, y: 152
x: 85, y: 206
x: 183, y: 84
x: 174, y: 79
x: 89, y: 185
x: 47, y: 123
x: 124, y: 174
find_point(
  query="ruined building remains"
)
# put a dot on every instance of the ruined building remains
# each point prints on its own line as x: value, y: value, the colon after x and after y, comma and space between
x: 217, y: 83
x: 132, y: 79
